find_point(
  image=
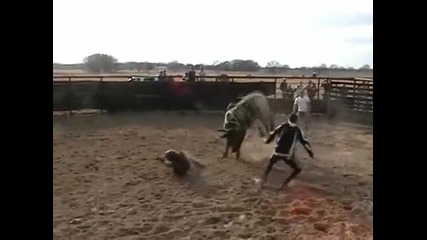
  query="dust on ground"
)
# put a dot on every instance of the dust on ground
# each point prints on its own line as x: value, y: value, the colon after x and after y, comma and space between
x: 108, y: 183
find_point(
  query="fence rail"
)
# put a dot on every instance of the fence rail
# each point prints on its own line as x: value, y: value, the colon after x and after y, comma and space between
x: 151, y: 95
x: 352, y: 81
x: 356, y: 95
x: 211, y: 77
x: 348, y: 94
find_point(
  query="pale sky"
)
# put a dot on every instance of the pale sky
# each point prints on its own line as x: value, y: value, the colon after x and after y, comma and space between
x: 297, y: 33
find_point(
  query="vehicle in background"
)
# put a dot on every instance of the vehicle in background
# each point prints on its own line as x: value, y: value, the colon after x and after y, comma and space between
x: 143, y: 79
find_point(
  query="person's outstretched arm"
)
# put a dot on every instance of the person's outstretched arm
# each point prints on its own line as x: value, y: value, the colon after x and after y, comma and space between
x: 274, y: 133
x: 295, y: 107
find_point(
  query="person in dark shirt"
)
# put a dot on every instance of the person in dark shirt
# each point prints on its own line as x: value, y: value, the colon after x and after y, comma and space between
x: 161, y: 76
x: 284, y: 86
x: 326, y: 88
x: 289, y: 133
x: 192, y: 75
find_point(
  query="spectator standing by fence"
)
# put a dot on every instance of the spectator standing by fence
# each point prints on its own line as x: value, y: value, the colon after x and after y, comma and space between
x: 327, y: 86
x: 283, y: 87
x: 308, y: 84
x: 298, y: 90
x: 311, y: 90
x: 302, y: 107
x: 161, y: 76
x: 289, y: 92
x: 192, y: 75
x: 202, y: 74
x: 165, y: 76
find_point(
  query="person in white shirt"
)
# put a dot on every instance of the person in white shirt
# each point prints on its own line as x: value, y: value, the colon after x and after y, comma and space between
x: 302, y: 107
x: 202, y: 75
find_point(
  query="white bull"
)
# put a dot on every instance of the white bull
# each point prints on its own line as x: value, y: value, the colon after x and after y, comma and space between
x: 242, y: 116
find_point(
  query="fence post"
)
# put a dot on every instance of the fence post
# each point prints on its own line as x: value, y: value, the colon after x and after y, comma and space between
x: 318, y: 88
x: 275, y: 88
x: 354, y: 94
x: 328, y: 98
x: 70, y: 111
x: 102, y: 79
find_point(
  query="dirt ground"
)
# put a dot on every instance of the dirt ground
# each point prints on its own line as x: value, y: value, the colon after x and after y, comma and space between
x: 109, y: 183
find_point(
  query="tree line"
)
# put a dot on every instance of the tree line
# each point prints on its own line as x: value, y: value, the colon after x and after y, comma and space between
x: 104, y: 63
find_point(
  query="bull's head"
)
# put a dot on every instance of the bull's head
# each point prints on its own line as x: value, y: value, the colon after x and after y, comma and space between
x: 233, y: 133
x: 232, y: 130
x: 230, y: 121
x: 230, y: 125
x: 234, y: 137
x: 226, y: 132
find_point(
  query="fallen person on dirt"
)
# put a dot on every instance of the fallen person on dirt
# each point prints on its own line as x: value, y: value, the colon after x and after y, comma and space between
x: 179, y: 162
x: 289, y: 133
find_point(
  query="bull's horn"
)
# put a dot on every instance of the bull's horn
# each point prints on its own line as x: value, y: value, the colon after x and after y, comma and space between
x: 222, y: 130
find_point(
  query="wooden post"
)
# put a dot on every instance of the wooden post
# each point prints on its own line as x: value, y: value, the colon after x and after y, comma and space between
x: 328, y: 99
x: 100, y: 92
x: 354, y: 94
x: 70, y: 111
x: 275, y: 88
x: 318, y: 88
